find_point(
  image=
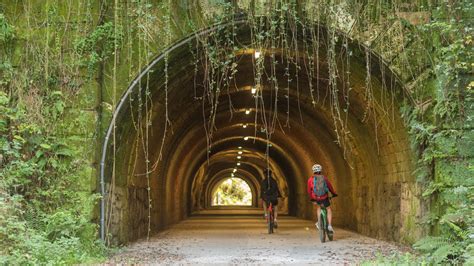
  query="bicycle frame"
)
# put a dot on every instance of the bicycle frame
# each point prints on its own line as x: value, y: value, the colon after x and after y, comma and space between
x: 323, y: 225
x: 270, y: 218
x: 324, y: 216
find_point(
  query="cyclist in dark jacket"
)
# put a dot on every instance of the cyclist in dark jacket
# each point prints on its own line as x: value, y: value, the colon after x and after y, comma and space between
x: 270, y: 193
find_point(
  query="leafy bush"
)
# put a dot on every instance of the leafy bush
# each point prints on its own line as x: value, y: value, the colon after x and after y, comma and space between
x: 99, y: 45
x: 442, y: 134
x: 46, y: 207
x: 45, y: 217
x: 396, y: 259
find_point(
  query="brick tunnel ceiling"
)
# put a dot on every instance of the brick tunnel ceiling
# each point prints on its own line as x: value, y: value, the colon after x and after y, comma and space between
x: 183, y: 180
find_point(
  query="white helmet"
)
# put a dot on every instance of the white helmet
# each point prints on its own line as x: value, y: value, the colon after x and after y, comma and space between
x: 317, y: 168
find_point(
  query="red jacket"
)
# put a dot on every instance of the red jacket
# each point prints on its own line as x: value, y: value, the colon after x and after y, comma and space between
x: 311, y: 190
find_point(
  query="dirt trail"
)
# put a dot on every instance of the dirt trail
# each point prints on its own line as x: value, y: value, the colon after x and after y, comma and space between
x: 243, y: 240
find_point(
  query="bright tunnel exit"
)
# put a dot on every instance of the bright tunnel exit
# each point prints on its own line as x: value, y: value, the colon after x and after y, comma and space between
x: 232, y: 191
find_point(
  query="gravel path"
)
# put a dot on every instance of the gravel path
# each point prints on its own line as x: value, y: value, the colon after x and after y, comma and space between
x: 243, y: 240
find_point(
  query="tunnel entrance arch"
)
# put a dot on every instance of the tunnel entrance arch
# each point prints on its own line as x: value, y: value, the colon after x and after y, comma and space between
x: 376, y: 172
x: 210, y: 189
x: 232, y: 191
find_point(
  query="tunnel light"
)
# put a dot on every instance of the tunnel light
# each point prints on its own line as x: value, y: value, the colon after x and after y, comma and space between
x: 239, y: 152
x: 246, y: 138
x: 238, y: 164
x: 240, y: 147
x: 247, y: 111
x: 254, y: 90
x: 257, y: 54
x: 239, y: 157
x: 244, y: 125
x: 235, y: 170
x: 232, y: 174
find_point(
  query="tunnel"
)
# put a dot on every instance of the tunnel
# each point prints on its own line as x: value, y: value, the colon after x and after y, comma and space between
x: 170, y: 143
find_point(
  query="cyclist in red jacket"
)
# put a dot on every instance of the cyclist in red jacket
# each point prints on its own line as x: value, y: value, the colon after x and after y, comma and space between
x: 318, y: 188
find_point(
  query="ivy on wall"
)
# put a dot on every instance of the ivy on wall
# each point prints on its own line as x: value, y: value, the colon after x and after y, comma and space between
x: 441, y: 127
x: 46, y: 199
x: 99, y: 45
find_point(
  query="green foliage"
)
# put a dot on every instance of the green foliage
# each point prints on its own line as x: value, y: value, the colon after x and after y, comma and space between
x: 7, y: 32
x: 7, y: 36
x: 439, y: 134
x: 44, y: 214
x: 232, y: 191
x: 396, y: 259
x: 45, y: 206
x: 440, y: 248
x: 99, y: 45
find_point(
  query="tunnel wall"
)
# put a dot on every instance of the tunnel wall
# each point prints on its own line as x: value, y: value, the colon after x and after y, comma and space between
x: 390, y: 168
x: 374, y: 182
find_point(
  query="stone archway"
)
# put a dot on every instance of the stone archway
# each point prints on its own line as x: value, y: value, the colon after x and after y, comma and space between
x: 376, y: 176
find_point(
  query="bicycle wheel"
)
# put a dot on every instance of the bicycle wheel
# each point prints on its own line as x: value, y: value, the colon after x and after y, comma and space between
x: 330, y: 235
x: 322, y: 228
x: 270, y: 222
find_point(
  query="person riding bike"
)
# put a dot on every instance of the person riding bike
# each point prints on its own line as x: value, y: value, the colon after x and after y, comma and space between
x: 270, y: 193
x: 318, y: 188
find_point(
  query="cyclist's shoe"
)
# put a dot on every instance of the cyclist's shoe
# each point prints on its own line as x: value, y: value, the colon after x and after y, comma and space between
x: 317, y: 225
x: 275, y: 224
x: 330, y: 228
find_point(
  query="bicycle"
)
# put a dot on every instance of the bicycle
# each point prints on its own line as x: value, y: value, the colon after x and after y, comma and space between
x: 270, y: 218
x: 323, y: 225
